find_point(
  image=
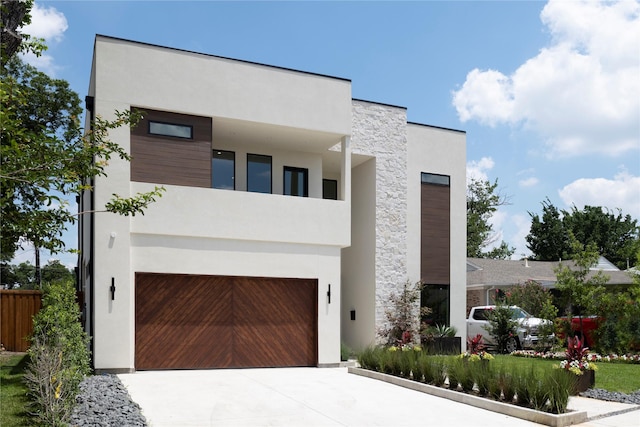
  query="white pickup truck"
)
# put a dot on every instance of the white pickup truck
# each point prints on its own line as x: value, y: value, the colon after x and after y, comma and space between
x: 526, y: 333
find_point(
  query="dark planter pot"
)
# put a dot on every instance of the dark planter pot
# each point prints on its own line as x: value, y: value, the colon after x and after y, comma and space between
x: 585, y: 381
x: 445, y: 345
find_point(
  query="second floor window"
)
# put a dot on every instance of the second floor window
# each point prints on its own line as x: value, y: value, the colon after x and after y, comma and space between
x: 258, y: 173
x: 296, y: 182
x: 223, y: 170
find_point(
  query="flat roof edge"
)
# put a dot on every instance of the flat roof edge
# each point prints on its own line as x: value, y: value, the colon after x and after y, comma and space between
x: 219, y: 57
x: 437, y: 127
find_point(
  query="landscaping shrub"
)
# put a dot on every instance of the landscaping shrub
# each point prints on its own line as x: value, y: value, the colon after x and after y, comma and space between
x: 502, y: 327
x: 525, y: 382
x: 403, y: 315
x: 59, y: 358
x: 438, y: 367
x: 559, y: 383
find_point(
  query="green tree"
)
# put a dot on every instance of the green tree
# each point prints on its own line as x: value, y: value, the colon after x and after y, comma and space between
x: 46, y: 155
x: 21, y: 276
x: 54, y: 271
x: 531, y: 296
x: 14, y: 15
x: 578, y: 285
x: 614, y: 236
x: 483, y: 201
x: 548, y: 239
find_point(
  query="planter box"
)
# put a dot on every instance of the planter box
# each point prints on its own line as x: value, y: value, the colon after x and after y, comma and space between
x: 585, y: 381
x: 560, y: 420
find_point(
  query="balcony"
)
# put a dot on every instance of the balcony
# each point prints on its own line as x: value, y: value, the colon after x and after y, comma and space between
x: 239, y: 215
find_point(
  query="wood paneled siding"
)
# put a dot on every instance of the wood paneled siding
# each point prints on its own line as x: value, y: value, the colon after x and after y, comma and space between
x: 196, y: 321
x: 435, y: 239
x: 17, y: 309
x: 167, y: 160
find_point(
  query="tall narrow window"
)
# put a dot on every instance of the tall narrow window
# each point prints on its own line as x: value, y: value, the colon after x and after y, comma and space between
x: 330, y: 189
x: 258, y: 173
x: 436, y: 297
x: 223, y: 170
x: 296, y: 182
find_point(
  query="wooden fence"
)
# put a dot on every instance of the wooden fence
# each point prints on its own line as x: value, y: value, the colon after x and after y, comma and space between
x: 17, y: 309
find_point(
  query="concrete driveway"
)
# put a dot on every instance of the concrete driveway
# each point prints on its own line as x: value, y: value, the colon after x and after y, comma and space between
x: 304, y: 397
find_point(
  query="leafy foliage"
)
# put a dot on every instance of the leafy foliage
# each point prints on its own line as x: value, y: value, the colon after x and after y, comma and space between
x: 59, y: 357
x: 531, y: 296
x: 23, y: 275
x: 502, y: 326
x: 578, y: 287
x: 403, y: 313
x: 616, y: 237
x: 46, y: 158
x: 482, y: 202
x: 46, y: 155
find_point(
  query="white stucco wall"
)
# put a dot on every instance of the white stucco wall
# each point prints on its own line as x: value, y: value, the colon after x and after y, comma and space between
x: 359, y: 261
x: 440, y: 151
x: 174, y: 80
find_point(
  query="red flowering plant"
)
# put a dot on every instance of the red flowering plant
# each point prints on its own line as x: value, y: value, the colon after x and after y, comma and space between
x: 476, y: 349
x: 576, y: 357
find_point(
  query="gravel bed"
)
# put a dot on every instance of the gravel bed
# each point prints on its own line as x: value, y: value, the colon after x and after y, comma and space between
x: 103, y: 402
x: 612, y: 396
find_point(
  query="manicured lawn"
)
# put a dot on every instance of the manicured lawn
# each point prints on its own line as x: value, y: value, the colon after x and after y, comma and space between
x: 620, y: 377
x: 13, y: 393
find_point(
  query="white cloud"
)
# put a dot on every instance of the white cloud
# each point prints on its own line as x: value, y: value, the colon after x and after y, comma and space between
x: 581, y: 93
x: 477, y: 169
x: 49, y: 24
x: 46, y: 23
x: 622, y: 192
x: 528, y: 182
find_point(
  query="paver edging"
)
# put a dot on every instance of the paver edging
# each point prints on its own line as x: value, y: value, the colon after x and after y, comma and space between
x: 553, y: 420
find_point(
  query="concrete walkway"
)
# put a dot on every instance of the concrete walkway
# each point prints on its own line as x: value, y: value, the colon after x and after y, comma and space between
x: 315, y: 397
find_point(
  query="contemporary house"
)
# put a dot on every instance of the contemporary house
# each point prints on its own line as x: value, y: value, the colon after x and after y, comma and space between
x: 290, y: 214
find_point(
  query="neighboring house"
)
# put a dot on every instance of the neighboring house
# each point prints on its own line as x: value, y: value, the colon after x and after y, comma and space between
x: 485, y: 276
x: 291, y: 212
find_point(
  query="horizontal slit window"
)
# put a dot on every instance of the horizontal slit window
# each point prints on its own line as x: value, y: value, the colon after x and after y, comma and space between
x: 432, y: 178
x: 170, y: 129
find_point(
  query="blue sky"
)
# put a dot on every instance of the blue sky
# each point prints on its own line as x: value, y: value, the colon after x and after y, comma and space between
x: 548, y: 92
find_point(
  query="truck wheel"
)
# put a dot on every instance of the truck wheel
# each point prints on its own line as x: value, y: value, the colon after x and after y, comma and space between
x: 511, y: 345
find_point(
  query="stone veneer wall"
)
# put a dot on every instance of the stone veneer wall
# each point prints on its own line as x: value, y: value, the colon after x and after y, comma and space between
x: 380, y: 130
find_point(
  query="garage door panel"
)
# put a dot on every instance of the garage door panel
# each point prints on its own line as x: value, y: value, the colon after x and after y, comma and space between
x: 176, y: 332
x: 189, y: 321
x: 280, y: 315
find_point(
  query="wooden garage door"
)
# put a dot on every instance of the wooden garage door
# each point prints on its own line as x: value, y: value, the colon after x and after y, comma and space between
x: 194, y: 322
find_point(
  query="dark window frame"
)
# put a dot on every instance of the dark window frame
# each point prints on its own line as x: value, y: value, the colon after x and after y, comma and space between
x: 305, y: 173
x: 323, y: 192
x: 164, y: 135
x: 435, y: 179
x: 234, y: 168
x: 270, y: 170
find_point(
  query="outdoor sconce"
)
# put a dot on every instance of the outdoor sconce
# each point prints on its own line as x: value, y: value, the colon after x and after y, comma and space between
x: 353, y: 314
x: 113, y: 288
x: 329, y: 294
